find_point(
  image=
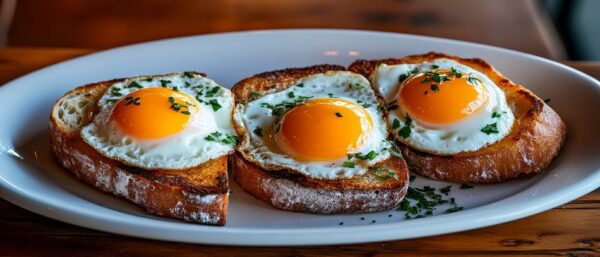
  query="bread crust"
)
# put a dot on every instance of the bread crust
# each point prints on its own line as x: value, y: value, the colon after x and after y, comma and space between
x: 288, y: 190
x: 536, y: 137
x: 293, y: 192
x: 199, y: 194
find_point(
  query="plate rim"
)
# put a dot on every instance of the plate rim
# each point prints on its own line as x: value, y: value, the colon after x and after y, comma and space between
x: 336, y: 235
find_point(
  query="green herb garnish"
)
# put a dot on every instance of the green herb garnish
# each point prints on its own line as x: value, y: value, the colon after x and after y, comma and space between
x: 385, y: 173
x: 254, y: 96
x: 402, y: 77
x: 349, y: 164
x: 300, y: 85
x: 466, y: 186
x: 490, y: 129
x: 291, y: 94
x: 132, y: 100
x: 212, y: 92
x: 214, y: 104
x: 258, y: 131
x: 188, y: 74
x: 435, y: 88
x: 222, y: 138
x: 370, y: 155
x: 164, y: 82
x: 395, y: 124
x: 454, y: 72
x: 134, y: 84
x: 446, y: 190
x: 115, y: 91
x: 496, y: 115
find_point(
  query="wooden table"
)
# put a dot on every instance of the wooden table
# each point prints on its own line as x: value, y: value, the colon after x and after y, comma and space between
x: 571, y: 230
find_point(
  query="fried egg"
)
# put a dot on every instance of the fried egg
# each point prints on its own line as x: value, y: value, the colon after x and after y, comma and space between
x: 175, y: 121
x: 443, y: 107
x: 324, y: 126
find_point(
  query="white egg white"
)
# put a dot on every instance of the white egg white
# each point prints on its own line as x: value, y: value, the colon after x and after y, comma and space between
x: 344, y: 85
x: 185, y: 149
x: 462, y: 136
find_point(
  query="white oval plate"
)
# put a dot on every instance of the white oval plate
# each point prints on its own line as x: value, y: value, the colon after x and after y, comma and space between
x: 32, y: 179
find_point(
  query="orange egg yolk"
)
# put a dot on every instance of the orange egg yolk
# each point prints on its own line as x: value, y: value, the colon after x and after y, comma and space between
x: 441, y: 99
x: 153, y: 113
x: 323, y: 129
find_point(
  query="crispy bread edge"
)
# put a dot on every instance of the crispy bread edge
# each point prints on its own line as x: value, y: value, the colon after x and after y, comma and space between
x: 302, y: 194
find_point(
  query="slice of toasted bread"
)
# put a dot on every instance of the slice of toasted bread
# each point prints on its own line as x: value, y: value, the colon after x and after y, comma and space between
x: 288, y: 190
x: 199, y: 194
x: 536, y: 137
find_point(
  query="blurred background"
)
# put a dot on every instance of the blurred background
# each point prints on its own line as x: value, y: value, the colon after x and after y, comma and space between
x: 556, y: 29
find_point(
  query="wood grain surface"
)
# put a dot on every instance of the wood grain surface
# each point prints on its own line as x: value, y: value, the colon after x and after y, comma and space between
x: 515, y: 24
x: 569, y: 230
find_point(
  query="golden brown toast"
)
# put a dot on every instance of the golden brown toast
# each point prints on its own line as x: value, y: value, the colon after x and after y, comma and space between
x: 534, y: 141
x: 199, y: 194
x: 291, y: 191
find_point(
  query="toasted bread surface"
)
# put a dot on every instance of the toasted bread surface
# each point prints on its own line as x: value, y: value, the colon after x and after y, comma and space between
x: 199, y: 194
x: 288, y: 190
x: 536, y: 137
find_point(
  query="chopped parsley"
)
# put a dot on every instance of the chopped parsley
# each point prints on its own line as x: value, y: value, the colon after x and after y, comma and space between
x: 258, y: 131
x: 212, y: 92
x: 132, y: 100
x: 446, y: 190
x: 366, y: 105
x: 115, y: 91
x: 455, y: 73
x: 434, y: 76
x: 435, y: 88
x: 424, y: 202
x: 433, y: 66
x: 385, y: 173
x: 454, y: 207
x: 369, y: 156
x: 402, y: 77
x: 339, y: 115
x: 331, y: 95
x: 281, y: 108
x: 175, y: 88
x: 164, y: 82
x: 466, y: 186
x: 291, y: 94
x: 214, y: 104
x: 490, y: 129
x: 134, y: 84
x: 189, y: 74
x: 300, y: 85
x: 357, y: 86
x: 222, y: 138
x: 405, y: 131
x: 395, y: 124
x: 148, y: 79
x: 349, y: 164
x: 254, y: 95
x: 473, y: 80
x: 177, y: 106
x: 496, y: 115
